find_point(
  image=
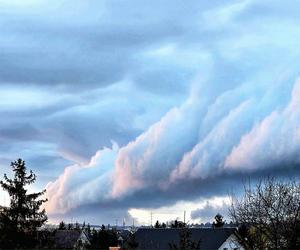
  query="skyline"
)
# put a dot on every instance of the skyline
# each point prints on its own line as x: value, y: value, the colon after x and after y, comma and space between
x: 127, y: 107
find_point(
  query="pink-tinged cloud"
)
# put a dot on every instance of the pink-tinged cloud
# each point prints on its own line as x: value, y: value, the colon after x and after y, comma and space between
x: 148, y: 161
x: 273, y: 141
x: 189, y: 142
x: 206, y: 157
x: 82, y: 184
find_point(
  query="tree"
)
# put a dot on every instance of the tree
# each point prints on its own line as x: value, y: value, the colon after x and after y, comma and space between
x: 77, y: 226
x: 185, y: 241
x: 131, y: 243
x: 157, y: 224
x: 218, y: 223
x: 94, y: 237
x: 107, y: 238
x: 177, y: 224
x: 268, y: 215
x: 88, y: 229
x: 19, y: 222
x: 62, y: 226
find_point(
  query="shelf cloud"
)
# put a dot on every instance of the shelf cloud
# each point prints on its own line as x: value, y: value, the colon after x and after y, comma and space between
x: 125, y: 106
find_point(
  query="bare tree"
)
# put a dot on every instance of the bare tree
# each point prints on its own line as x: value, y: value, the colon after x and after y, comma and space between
x: 268, y: 215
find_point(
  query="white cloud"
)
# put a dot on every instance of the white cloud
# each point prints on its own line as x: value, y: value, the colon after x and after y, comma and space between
x: 273, y: 141
x: 122, y: 71
x: 176, y: 211
x: 82, y: 184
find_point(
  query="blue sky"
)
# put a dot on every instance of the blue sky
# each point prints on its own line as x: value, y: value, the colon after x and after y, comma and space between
x: 126, y: 107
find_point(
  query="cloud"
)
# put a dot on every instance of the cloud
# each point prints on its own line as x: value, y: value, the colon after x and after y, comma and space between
x: 82, y: 184
x: 202, y: 210
x: 196, y: 95
x: 208, y: 210
x: 272, y: 142
x: 169, y: 155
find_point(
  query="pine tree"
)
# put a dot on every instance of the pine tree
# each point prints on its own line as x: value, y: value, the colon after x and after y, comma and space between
x: 23, y: 217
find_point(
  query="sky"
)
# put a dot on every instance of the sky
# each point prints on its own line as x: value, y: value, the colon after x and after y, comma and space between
x: 127, y: 108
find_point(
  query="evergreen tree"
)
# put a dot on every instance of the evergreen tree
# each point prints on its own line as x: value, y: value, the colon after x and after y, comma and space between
x: 19, y: 222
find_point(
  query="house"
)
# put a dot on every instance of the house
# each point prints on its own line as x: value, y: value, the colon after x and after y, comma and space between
x: 210, y: 238
x: 71, y: 239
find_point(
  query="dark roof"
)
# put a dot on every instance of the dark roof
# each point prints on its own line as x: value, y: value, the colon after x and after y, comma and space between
x: 66, y: 239
x: 151, y: 238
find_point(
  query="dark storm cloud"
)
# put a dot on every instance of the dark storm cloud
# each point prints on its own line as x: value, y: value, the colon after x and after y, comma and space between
x: 79, y: 54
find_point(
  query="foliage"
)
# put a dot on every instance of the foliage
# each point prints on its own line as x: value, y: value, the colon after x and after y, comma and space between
x: 131, y: 243
x: 62, y: 226
x: 218, y: 223
x: 178, y: 224
x: 268, y: 215
x: 185, y: 241
x: 157, y: 224
x: 160, y: 225
x: 19, y: 222
x: 77, y: 226
x: 103, y: 239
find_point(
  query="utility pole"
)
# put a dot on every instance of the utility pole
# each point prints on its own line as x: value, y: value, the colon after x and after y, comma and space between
x: 184, y: 217
x: 151, y: 218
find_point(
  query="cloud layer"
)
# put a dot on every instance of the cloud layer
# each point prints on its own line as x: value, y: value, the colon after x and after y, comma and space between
x: 126, y: 105
x: 165, y: 157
